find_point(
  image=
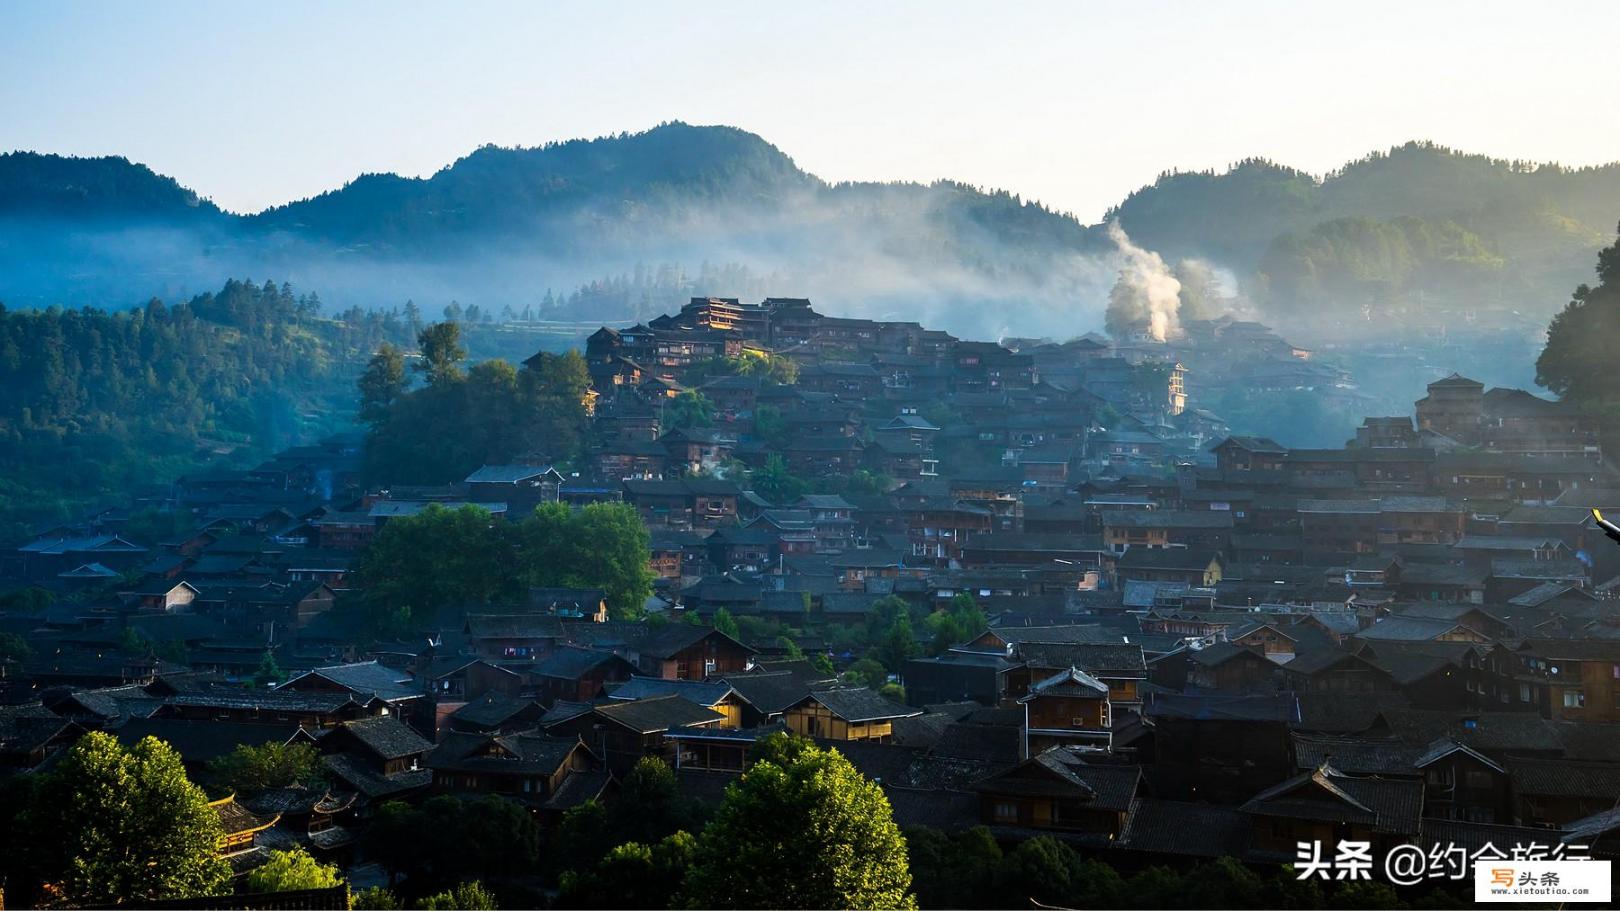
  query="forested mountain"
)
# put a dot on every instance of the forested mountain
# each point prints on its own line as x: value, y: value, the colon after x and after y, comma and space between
x: 93, y: 188
x: 101, y: 405
x: 633, y: 216
x: 1420, y: 221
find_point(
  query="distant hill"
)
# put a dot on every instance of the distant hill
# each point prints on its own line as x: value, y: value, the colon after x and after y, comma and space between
x: 1420, y: 219
x: 1418, y: 227
x: 32, y: 184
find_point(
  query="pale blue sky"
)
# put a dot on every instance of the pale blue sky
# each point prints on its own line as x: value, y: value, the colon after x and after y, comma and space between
x: 1072, y: 103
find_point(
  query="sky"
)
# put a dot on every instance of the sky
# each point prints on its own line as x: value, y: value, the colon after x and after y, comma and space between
x: 1075, y: 104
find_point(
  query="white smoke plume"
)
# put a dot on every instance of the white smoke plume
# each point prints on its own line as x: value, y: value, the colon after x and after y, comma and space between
x: 1147, y: 292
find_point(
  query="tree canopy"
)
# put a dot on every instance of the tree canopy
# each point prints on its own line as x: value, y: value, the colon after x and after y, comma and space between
x: 292, y: 871
x: 492, y: 414
x: 114, y: 826
x: 800, y: 829
x: 98, y: 403
x: 248, y: 769
x: 1578, y: 362
x: 419, y: 566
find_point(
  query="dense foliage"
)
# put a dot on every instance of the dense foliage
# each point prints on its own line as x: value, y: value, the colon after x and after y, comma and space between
x: 800, y: 829
x: 291, y: 871
x: 249, y: 769
x: 1529, y: 226
x: 109, y: 825
x: 1578, y: 362
x: 460, y: 420
x: 448, y: 840
x: 419, y: 568
x: 100, y: 404
x: 1346, y: 263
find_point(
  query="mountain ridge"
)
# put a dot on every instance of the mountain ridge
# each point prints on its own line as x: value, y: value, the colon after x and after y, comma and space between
x: 501, y: 220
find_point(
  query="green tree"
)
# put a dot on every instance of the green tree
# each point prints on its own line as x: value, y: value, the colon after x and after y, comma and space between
x: 292, y: 871
x: 1041, y: 869
x: 898, y: 645
x: 374, y: 898
x: 688, y: 410
x: 269, y: 671
x: 769, y: 425
x: 14, y: 648
x: 248, y: 769
x: 604, y: 545
x: 469, y: 896
x: 723, y: 622
x: 382, y: 383
x: 775, y: 483
x: 957, y: 871
x: 1578, y: 361
x: 800, y: 829
x: 449, y: 839
x: 631, y: 875
x: 439, y: 558
x: 117, y: 826
x: 868, y: 672
x: 27, y: 600
x: 961, y: 621
x: 417, y: 565
x: 392, y: 838
x: 442, y: 352
x: 822, y: 664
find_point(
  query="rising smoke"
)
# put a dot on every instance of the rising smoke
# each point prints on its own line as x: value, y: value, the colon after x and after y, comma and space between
x: 1147, y: 294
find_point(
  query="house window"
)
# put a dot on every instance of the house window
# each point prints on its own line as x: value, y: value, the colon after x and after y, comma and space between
x: 1524, y: 692
x: 1006, y: 812
x: 1574, y: 699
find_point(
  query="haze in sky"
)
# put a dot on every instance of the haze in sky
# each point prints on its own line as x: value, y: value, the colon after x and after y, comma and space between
x: 1073, y: 104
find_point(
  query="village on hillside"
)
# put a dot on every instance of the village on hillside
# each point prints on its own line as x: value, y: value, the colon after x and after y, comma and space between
x: 1032, y: 585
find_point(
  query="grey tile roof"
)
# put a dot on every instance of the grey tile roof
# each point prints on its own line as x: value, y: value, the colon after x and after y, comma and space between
x: 492, y: 709
x: 387, y: 736
x: 1187, y: 829
x: 698, y: 691
x: 661, y: 713
x: 858, y: 704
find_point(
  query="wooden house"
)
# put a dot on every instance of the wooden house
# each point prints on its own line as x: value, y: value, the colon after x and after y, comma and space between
x: 574, y: 674
x: 1325, y: 805
x: 1070, y: 708
x: 624, y: 732
x: 1059, y: 790
x: 379, y: 757
x: 686, y: 652
x: 531, y: 767
x: 239, y: 826
x: 849, y: 713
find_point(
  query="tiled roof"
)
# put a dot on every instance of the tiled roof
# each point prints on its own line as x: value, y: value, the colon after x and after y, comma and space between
x: 1070, y: 682
x: 1187, y: 829
x: 1564, y: 778
x: 491, y: 709
x: 366, y: 678
x: 770, y: 693
x: 387, y: 736
x: 698, y: 691
x: 370, y: 782
x: 647, y: 716
x: 1099, y: 659
x: 858, y: 704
